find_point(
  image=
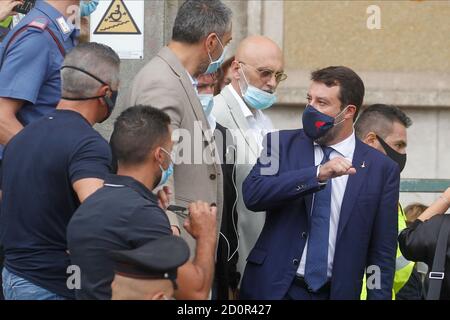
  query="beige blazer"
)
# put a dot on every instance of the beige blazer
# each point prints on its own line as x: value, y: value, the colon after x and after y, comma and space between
x: 229, y: 114
x: 165, y: 84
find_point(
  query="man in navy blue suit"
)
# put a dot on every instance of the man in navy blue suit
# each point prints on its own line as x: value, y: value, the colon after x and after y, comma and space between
x: 331, y: 203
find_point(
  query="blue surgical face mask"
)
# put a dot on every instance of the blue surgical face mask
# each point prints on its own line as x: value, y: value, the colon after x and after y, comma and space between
x: 316, y: 124
x: 165, y: 174
x: 257, y: 98
x: 207, y: 101
x: 215, y: 65
x: 87, y: 7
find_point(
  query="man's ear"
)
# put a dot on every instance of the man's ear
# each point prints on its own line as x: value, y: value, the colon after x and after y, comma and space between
x: 371, y: 139
x: 235, y: 70
x: 157, y: 155
x: 351, y: 111
x: 104, y: 90
x: 210, y: 41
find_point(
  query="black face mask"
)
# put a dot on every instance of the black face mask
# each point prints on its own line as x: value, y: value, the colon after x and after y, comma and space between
x: 394, y: 155
x: 110, y: 101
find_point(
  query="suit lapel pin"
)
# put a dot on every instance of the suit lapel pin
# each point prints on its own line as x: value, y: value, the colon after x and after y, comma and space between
x: 363, y: 165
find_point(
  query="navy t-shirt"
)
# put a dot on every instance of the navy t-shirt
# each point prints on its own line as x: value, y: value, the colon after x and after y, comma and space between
x: 40, y: 165
x: 123, y: 215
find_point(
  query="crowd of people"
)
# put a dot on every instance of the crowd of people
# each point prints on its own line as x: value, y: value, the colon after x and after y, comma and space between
x: 196, y: 195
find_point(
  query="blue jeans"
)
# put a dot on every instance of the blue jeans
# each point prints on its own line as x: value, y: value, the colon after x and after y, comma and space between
x: 17, y: 288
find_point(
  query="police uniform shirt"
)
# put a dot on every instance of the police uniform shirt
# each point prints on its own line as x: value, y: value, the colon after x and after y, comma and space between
x: 41, y: 164
x: 123, y: 215
x: 31, y: 66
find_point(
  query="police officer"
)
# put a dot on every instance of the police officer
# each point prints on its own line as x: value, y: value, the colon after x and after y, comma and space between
x: 31, y: 56
x: 148, y: 272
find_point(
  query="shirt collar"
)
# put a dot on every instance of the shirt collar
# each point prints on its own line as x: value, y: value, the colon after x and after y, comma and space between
x: 193, y: 81
x: 245, y: 110
x: 116, y: 181
x: 54, y: 15
x: 71, y: 113
x: 346, y: 147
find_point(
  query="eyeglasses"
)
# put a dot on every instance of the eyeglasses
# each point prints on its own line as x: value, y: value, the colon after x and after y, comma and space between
x: 267, y: 74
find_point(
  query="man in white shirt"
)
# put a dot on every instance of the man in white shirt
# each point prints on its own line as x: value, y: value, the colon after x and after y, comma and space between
x: 256, y: 72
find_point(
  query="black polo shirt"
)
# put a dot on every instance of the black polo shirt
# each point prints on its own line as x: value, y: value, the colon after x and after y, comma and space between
x: 40, y: 165
x: 123, y: 215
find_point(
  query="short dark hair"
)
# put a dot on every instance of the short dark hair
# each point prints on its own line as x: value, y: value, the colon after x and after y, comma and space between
x: 351, y: 87
x: 379, y: 118
x: 196, y: 19
x: 136, y: 132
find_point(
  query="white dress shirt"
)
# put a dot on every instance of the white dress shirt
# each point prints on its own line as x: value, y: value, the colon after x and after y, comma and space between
x: 259, y: 123
x: 344, y: 149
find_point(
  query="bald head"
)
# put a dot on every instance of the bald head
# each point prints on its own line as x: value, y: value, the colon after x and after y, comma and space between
x: 255, y: 54
x: 259, y: 49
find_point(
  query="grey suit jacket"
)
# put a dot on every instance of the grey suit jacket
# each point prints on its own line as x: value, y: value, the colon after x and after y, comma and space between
x: 164, y: 84
x: 229, y: 114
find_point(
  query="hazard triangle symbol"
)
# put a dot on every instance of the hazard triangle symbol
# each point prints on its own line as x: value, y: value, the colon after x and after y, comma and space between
x: 117, y: 20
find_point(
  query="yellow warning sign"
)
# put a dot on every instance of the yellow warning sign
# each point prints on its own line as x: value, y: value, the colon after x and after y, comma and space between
x: 117, y: 20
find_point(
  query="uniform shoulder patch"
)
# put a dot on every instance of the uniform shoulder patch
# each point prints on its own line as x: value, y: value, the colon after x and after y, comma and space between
x: 39, y: 23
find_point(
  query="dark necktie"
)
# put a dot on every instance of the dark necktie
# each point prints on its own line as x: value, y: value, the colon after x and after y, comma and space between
x: 317, y: 254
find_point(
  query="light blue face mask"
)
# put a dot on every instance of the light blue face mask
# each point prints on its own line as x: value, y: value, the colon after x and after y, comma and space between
x: 207, y: 101
x: 257, y: 98
x: 215, y: 65
x: 87, y: 7
x: 165, y: 173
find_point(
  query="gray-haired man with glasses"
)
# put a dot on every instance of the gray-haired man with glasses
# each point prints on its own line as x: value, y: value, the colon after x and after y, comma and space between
x: 256, y: 72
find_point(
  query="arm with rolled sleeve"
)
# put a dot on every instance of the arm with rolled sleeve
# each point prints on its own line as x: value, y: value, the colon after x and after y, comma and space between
x: 24, y: 70
x: 263, y: 191
x: 383, y: 242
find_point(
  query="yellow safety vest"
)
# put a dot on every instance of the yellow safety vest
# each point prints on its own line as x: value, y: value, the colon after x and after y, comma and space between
x: 6, y: 23
x: 403, y: 267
